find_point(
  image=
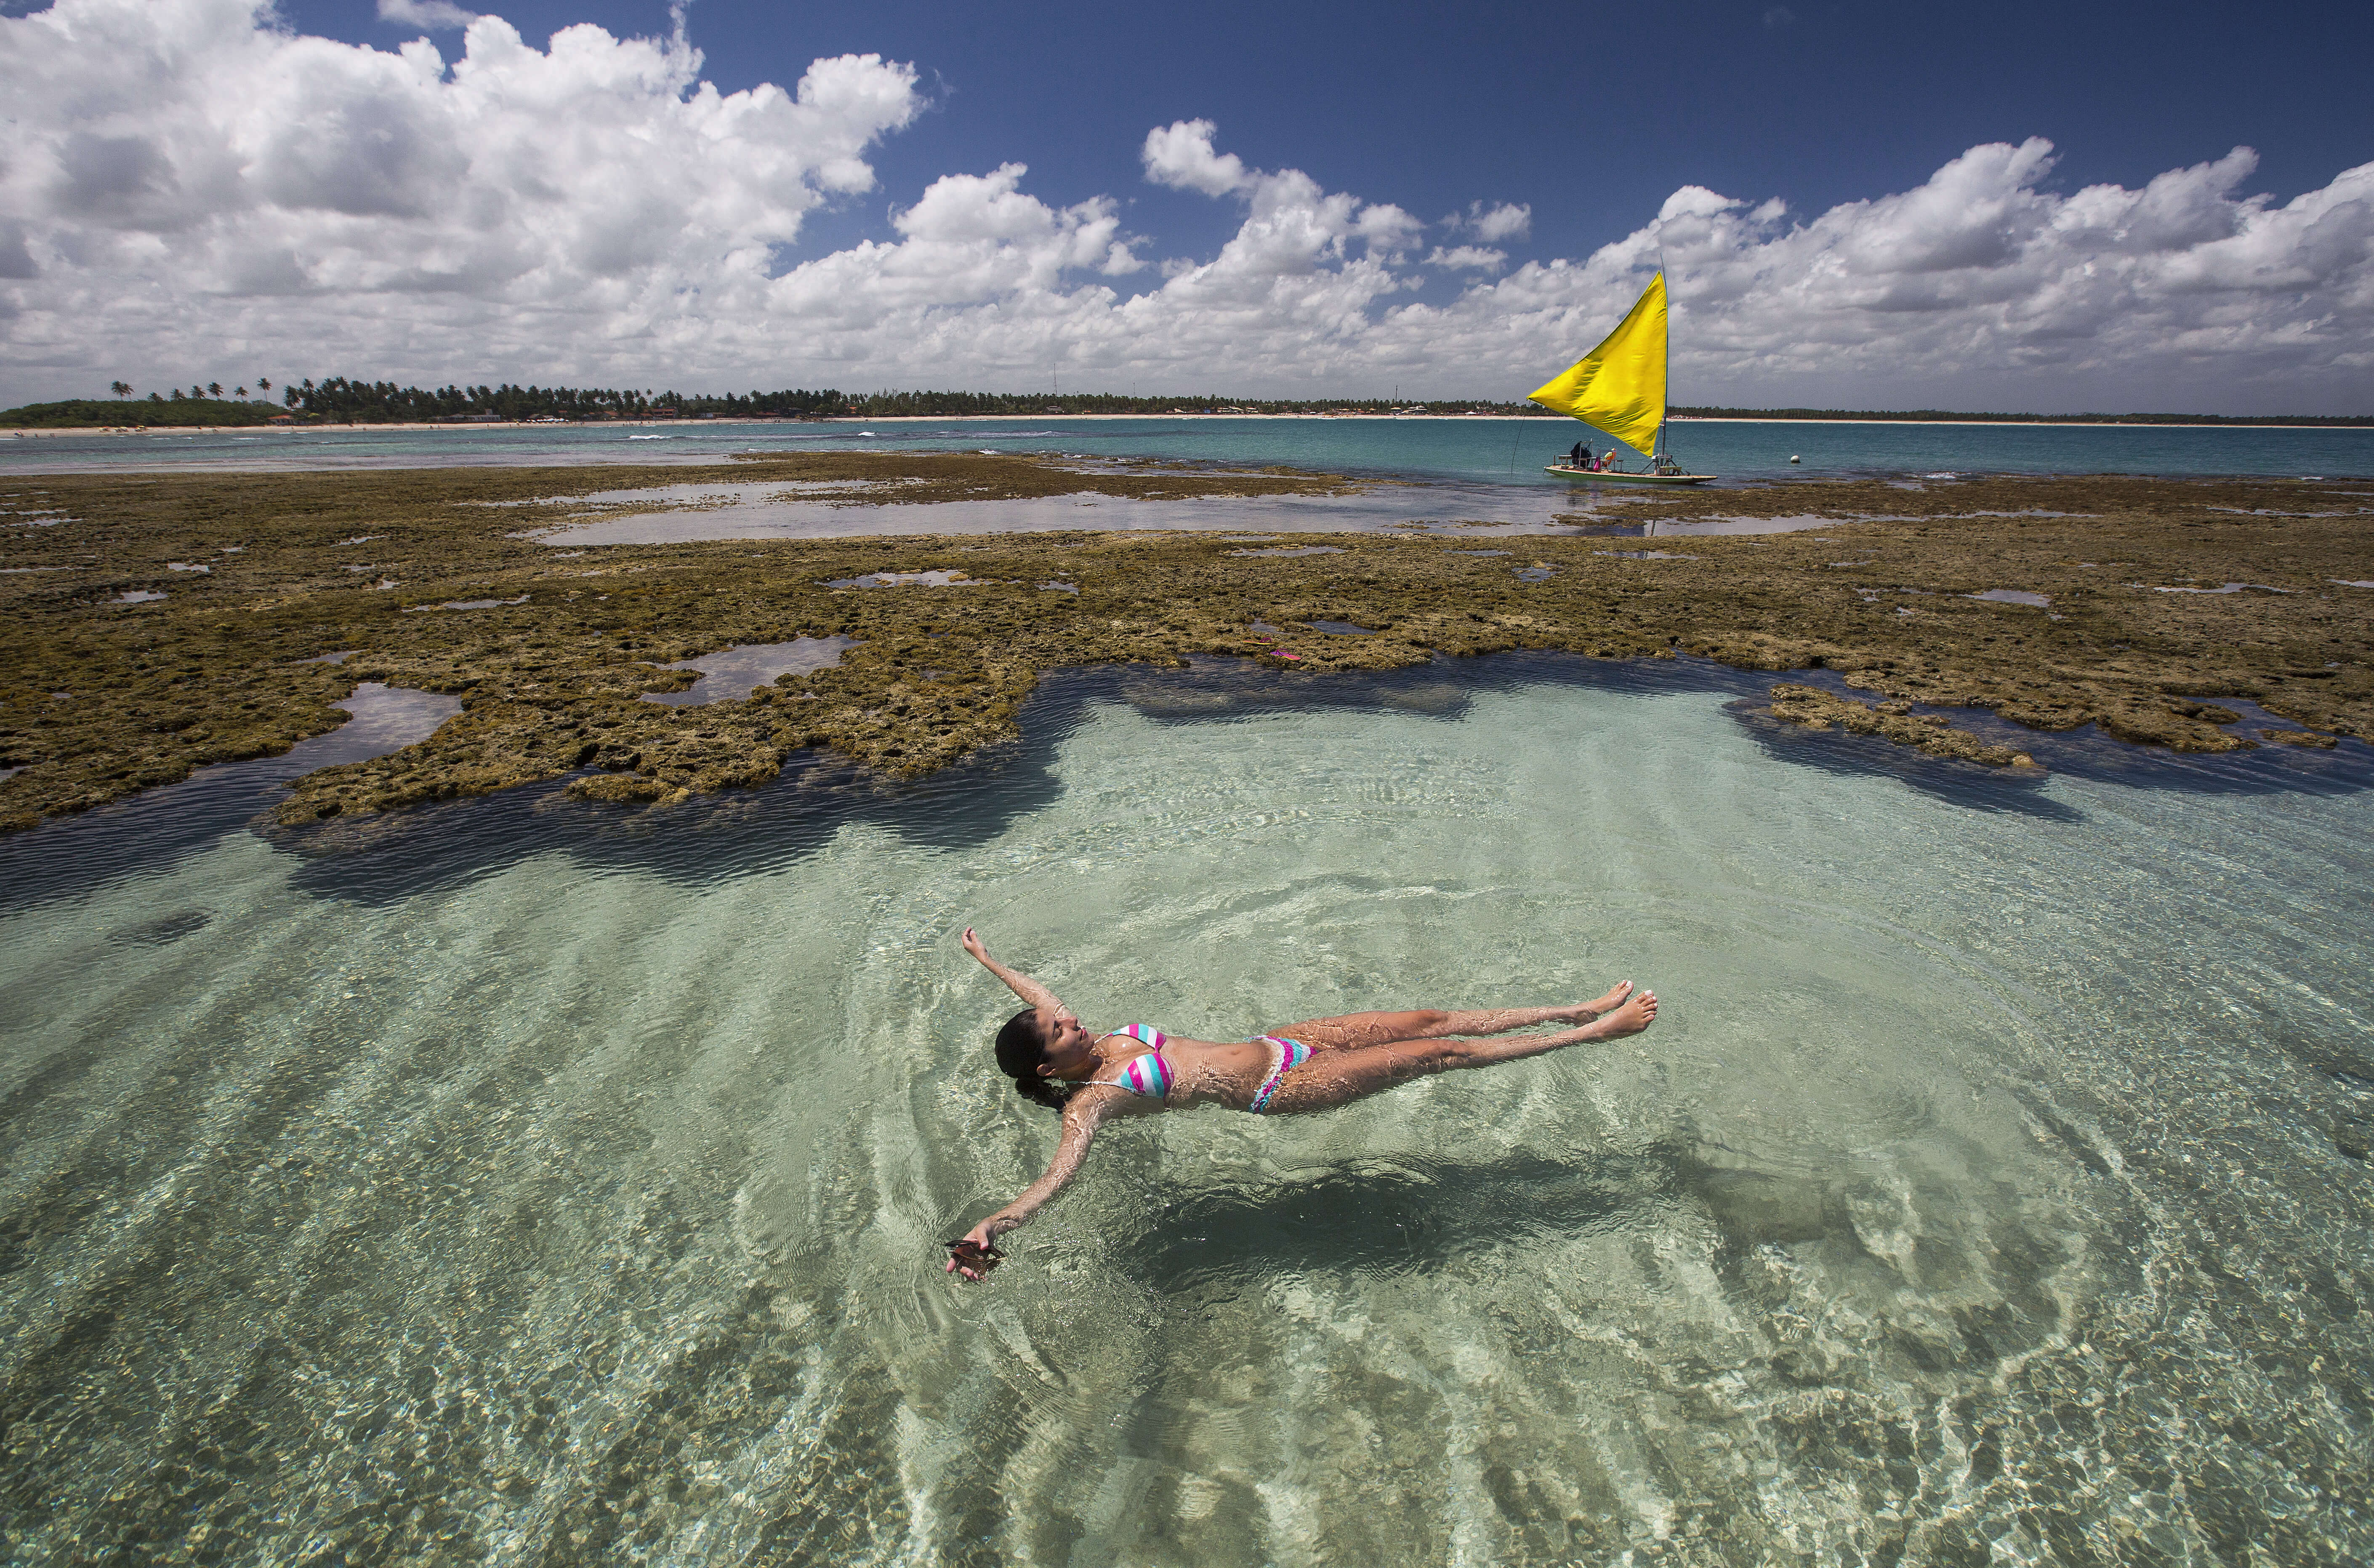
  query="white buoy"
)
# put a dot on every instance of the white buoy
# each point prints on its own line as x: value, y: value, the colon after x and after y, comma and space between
x: 1793, y: 457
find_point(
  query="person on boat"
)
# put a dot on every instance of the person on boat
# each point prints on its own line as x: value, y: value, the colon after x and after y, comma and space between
x: 1579, y: 456
x: 1137, y: 1070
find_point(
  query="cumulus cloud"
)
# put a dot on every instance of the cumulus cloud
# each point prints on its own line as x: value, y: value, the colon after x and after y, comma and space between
x: 185, y: 172
x: 984, y: 282
x: 1180, y: 154
x: 1496, y: 225
x: 1467, y: 257
x: 1979, y: 287
x: 186, y: 185
x: 971, y: 241
x: 435, y: 15
x: 2183, y: 292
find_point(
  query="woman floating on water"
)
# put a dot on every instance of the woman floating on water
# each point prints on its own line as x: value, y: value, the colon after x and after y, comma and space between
x: 1136, y: 1070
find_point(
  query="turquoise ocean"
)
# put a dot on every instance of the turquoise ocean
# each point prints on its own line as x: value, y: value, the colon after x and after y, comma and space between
x: 517, y: 1180
x: 1475, y: 451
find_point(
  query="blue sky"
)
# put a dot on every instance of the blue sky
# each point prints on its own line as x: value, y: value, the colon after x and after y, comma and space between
x: 2014, y: 206
x: 1565, y: 107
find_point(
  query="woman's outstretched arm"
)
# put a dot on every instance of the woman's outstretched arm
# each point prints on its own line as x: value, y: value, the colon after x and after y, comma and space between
x: 1021, y: 985
x: 1080, y: 1122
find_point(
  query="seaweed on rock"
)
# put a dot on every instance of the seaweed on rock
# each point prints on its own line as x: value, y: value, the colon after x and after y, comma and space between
x: 99, y: 698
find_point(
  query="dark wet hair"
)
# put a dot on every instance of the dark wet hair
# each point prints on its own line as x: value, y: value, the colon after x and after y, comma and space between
x: 1021, y: 1051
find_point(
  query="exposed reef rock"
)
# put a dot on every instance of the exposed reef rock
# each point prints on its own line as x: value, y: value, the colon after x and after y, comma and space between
x: 1931, y: 733
x: 99, y: 698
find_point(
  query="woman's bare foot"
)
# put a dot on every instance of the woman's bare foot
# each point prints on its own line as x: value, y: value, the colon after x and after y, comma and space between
x: 1629, y: 1018
x: 1605, y: 1004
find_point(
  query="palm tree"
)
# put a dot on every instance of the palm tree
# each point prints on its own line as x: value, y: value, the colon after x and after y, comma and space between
x: 121, y: 388
x: 238, y: 392
x: 214, y: 389
x: 264, y: 383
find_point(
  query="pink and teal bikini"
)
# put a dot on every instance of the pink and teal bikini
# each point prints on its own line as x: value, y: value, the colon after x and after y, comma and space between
x: 1149, y: 1075
x: 1285, y: 1056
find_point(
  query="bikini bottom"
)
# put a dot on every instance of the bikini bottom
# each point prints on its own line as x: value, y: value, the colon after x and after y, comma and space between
x: 1285, y: 1056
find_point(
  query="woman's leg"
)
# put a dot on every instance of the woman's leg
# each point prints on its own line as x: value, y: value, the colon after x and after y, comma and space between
x: 1352, y: 1073
x: 1355, y: 1031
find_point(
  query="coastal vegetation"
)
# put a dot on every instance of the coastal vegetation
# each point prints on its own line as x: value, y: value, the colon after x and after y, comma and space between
x: 338, y: 400
x: 153, y: 624
x: 87, y: 413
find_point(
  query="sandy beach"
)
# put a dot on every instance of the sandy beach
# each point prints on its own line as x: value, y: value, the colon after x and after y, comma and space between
x: 856, y: 421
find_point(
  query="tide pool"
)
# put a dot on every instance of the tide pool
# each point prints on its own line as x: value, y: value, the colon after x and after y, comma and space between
x: 521, y: 1180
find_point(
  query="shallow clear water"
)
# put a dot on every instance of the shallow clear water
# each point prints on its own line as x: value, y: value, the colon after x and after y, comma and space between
x: 678, y: 513
x: 523, y: 1180
x: 730, y: 673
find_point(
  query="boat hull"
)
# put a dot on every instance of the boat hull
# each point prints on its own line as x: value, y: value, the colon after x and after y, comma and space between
x: 1617, y: 477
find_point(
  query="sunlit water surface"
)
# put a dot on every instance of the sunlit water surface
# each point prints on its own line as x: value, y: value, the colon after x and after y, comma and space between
x: 528, y: 1180
x: 1496, y: 452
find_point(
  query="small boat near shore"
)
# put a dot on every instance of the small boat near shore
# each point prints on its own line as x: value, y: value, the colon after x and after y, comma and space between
x: 1618, y: 389
x: 1625, y: 477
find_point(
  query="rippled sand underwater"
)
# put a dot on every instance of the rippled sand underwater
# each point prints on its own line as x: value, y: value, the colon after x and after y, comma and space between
x: 526, y: 1181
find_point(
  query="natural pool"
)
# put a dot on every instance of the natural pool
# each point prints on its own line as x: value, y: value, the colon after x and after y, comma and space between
x: 524, y: 1180
x: 680, y: 513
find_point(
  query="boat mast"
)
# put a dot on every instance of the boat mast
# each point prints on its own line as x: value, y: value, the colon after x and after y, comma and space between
x: 1664, y: 414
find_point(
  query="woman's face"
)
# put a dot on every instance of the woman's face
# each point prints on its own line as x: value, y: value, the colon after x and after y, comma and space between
x: 1064, y: 1043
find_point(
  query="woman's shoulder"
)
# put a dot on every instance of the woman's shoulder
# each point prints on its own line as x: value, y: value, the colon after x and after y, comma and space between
x: 1097, y: 1102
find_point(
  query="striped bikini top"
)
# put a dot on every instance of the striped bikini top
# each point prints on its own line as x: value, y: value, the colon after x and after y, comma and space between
x: 1148, y: 1075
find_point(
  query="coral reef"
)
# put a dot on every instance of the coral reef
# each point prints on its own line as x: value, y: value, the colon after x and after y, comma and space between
x: 101, y: 695
x: 1931, y: 733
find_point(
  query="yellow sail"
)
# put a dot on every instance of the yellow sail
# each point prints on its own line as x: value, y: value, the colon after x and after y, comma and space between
x: 1619, y: 386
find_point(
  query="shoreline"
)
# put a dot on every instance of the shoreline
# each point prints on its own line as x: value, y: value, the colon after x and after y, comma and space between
x: 1547, y: 420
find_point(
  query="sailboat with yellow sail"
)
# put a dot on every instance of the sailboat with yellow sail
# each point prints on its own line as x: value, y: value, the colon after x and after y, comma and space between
x: 1619, y: 388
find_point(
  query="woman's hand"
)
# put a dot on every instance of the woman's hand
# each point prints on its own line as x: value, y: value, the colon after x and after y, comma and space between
x: 976, y: 1253
x: 1022, y: 985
